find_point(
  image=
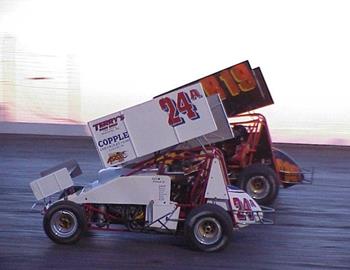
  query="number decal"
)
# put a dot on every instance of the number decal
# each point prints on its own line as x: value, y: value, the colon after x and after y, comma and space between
x: 248, y: 209
x: 183, y: 105
x: 244, y: 77
x: 230, y: 83
x: 168, y: 105
x: 238, y: 204
x: 211, y: 86
x: 244, y: 209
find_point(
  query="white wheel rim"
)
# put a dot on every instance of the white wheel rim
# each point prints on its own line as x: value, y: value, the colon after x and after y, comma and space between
x: 64, y: 223
x: 258, y: 187
x: 207, y: 231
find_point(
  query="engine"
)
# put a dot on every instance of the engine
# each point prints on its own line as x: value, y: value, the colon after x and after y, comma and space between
x: 131, y: 216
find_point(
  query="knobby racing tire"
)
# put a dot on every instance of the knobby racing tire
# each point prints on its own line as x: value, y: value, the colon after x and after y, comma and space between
x: 260, y: 182
x: 64, y: 222
x: 208, y: 228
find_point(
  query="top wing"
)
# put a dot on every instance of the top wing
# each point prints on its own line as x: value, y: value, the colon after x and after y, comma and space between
x: 240, y: 88
x: 157, y: 124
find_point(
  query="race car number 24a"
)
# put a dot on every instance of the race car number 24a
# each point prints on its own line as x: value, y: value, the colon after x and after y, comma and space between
x: 183, y: 106
x: 244, y: 209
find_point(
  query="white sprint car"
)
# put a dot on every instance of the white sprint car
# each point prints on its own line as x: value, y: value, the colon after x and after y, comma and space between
x: 162, y: 174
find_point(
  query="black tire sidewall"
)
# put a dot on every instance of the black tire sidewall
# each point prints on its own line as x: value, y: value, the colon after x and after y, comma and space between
x: 268, y: 174
x: 77, y: 210
x: 204, y: 211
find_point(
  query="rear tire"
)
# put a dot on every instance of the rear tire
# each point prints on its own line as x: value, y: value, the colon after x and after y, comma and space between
x: 64, y: 222
x: 260, y: 182
x: 208, y: 228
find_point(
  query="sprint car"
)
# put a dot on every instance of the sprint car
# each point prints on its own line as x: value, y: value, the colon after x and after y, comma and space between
x: 162, y: 173
x: 196, y: 201
x: 253, y: 163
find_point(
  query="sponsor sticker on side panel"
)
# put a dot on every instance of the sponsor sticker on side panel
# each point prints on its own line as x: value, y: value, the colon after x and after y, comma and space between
x: 112, y: 139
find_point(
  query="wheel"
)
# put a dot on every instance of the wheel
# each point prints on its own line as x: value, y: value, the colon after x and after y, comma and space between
x: 260, y: 182
x: 208, y: 228
x: 64, y: 222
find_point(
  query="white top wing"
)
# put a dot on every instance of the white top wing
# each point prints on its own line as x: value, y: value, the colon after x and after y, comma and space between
x: 163, y: 122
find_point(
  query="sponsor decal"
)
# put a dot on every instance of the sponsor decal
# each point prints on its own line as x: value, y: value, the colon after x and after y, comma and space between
x: 117, y: 157
x: 109, y: 123
x: 113, y: 139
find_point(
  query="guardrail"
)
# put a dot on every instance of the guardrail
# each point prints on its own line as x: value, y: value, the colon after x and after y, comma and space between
x: 79, y: 130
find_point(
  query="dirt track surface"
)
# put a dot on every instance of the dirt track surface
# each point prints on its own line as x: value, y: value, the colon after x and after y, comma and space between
x: 312, y: 229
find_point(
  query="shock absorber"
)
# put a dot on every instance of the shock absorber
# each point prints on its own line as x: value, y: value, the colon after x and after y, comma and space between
x: 101, y: 220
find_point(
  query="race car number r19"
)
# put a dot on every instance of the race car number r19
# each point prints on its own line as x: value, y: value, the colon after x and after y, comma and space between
x: 234, y: 80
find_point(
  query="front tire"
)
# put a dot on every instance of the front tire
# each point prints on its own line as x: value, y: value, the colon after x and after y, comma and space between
x: 64, y: 222
x: 208, y: 228
x: 260, y: 182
